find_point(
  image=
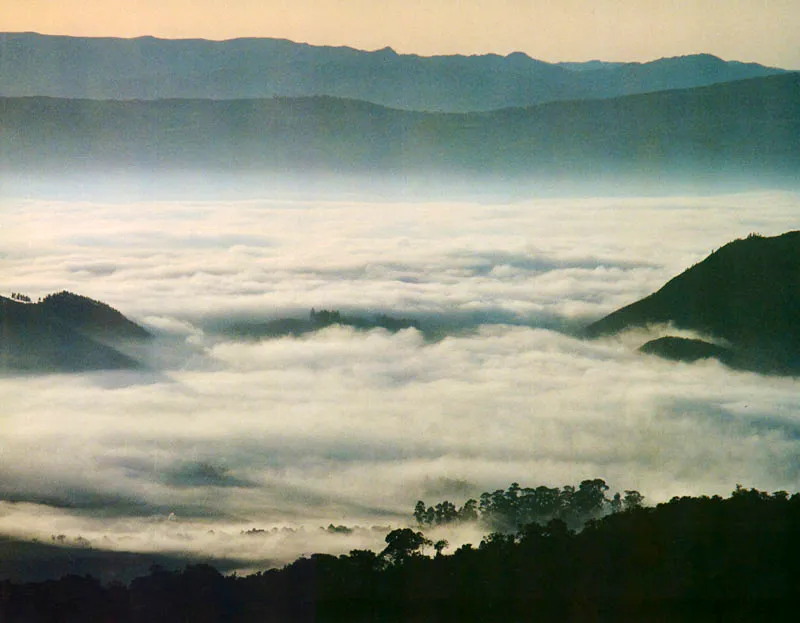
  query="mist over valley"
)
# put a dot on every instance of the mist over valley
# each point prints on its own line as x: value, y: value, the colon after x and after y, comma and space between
x: 351, y: 425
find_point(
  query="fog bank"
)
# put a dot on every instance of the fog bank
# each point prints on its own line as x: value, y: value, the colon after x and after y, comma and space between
x: 352, y: 427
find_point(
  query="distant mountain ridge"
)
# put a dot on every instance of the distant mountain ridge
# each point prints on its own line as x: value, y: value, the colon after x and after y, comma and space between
x: 149, y: 68
x: 746, y: 293
x: 64, y: 332
x: 749, y: 127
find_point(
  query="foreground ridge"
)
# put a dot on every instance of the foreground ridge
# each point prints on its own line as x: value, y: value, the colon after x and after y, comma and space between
x: 693, y: 558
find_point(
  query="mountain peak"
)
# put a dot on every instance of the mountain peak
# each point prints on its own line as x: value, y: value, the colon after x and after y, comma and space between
x: 745, y: 293
x: 63, y: 332
x: 91, y: 316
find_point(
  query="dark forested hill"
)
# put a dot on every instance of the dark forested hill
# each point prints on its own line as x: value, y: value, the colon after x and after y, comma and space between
x: 90, y: 317
x: 150, y: 68
x: 692, y: 559
x: 63, y: 332
x: 316, y: 320
x: 732, y: 129
x: 746, y: 293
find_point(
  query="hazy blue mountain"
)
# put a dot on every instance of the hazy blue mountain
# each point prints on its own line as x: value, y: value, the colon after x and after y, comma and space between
x: 589, y: 65
x: 747, y: 293
x: 666, y: 73
x: 150, y: 68
x: 63, y: 333
x: 735, y: 129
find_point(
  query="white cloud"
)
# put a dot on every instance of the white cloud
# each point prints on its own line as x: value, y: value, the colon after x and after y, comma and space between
x: 353, y: 427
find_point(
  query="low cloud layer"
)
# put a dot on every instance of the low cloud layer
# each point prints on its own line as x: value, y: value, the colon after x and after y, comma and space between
x: 352, y: 427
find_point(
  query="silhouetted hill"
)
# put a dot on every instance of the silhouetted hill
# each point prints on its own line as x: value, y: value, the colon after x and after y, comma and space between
x: 91, y: 317
x: 151, y: 68
x: 63, y: 333
x: 733, y: 129
x: 31, y: 561
x: 685, y: 349
x: 747, y: 293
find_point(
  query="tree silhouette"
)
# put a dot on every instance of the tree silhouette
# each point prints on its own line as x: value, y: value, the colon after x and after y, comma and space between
x: 632, y: 500
x: 468, y: 512
x: 402, y: 544
x: 420, y: 513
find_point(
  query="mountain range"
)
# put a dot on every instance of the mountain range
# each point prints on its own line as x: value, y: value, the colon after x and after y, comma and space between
x: 64, y: 332
x: 747, y: 127
x: 746, y: 295
x: 149, y: 68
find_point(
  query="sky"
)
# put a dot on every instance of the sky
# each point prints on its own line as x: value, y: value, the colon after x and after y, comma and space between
x: 763, y: 31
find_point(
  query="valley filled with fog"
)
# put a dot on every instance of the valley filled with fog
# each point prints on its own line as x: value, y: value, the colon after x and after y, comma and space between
x: 221, y: 433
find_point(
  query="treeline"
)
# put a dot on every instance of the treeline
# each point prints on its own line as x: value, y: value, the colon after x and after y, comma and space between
x: 517, y: 506
x: 691, y: 559
x: 330, y: 529
x: 327, y: 317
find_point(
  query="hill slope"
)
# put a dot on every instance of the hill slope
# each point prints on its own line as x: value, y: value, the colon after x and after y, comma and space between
x: 63, y: 333
x: 736, y: 128
x: 150, y: 68
x: 91, y: 317
x: 747, y: 293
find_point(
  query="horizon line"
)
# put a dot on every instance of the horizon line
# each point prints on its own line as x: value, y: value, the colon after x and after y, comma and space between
x: 390, y: 49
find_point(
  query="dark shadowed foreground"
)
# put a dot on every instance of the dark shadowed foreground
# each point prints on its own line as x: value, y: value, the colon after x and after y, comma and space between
x: 690, y: 559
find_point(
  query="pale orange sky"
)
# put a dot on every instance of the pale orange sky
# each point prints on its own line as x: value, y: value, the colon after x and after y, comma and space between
x: 765, y: 31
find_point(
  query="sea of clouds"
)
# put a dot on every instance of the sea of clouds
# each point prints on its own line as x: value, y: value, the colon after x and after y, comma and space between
x: 221, y: 435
